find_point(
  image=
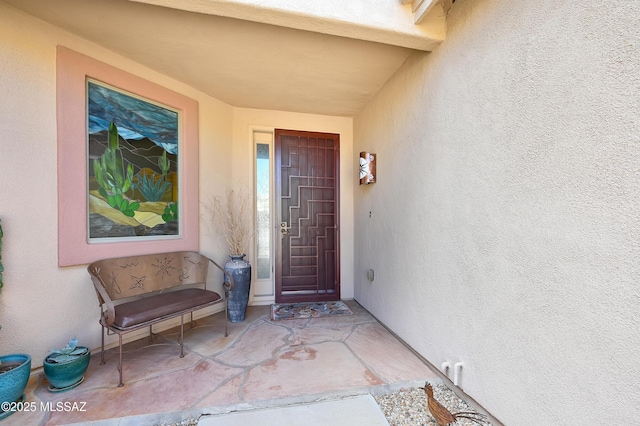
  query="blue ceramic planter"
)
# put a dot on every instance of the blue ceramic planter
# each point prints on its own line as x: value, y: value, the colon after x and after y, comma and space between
x: 240, y: 270
x: 13, y: 382
x: 67, y: 375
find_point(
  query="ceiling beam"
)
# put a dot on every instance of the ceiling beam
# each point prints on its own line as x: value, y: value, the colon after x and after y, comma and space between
x: 381, y: 21
x: 421, y: 9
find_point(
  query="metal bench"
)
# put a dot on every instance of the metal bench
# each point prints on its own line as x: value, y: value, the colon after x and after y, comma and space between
x: 153, y: 282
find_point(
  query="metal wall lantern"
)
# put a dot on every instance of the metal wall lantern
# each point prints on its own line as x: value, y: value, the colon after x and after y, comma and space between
x: 367, y: 168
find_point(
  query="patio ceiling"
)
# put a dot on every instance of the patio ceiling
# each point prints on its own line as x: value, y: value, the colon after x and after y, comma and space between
x: 245, y: 55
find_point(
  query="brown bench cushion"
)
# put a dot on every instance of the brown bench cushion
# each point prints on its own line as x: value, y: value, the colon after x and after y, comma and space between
x: 161, y: 305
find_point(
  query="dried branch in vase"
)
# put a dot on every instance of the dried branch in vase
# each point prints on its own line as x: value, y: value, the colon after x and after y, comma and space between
x: 230, y: 218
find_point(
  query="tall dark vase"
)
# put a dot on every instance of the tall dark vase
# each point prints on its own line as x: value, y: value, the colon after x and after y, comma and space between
x: 240, y: 270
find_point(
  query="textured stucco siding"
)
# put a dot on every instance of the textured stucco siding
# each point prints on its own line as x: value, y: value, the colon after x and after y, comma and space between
x: 504, y: 226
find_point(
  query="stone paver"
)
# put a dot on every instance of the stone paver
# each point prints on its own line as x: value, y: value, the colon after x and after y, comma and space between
x: 385, y: 355
x: 321, y: 368
x: 260, y: 364
x: 312, y: 335
x: 257, y: 344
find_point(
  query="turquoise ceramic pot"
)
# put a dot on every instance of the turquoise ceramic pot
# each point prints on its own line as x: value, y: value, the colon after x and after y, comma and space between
x: 13, y: 382
x: 66, y: 375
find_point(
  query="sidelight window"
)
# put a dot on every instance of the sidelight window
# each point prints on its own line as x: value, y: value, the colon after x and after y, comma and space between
x: 263, y: 209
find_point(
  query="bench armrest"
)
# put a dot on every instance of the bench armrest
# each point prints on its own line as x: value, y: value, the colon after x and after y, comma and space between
x: 109, y: 315
x: 228, y: 286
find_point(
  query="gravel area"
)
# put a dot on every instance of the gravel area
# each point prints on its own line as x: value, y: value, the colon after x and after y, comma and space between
x: 408, y: 407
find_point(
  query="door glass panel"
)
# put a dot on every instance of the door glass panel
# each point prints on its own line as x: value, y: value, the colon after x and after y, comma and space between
x: 263, y: 234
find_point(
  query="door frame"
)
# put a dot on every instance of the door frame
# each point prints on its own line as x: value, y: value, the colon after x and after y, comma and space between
x: 277, y: 149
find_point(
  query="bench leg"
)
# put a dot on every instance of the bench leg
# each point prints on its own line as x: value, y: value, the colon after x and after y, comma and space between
x: 120, y: 367
x: 102, y: 361
x: 226, y: 318
x: 181, y: 336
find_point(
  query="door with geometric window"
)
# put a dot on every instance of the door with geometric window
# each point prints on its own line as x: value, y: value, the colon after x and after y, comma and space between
x: 307, y: 213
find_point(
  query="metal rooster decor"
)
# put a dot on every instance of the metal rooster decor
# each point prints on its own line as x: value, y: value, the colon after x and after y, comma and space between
x: 443, y: 416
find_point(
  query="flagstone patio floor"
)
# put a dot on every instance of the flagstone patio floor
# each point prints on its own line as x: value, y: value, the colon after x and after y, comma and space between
x: 261, y: 364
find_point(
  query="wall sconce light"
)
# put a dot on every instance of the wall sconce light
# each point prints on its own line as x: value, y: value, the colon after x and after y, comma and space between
x: 367, y: 168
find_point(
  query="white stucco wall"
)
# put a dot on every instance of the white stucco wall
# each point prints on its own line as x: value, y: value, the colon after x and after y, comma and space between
x: 245, y: 119
x: 505, y: 221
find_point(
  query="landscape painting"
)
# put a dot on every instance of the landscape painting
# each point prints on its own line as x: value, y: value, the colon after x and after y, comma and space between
x: 132, y: 168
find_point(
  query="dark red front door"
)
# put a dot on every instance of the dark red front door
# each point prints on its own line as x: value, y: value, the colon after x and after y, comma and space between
x: 307, y: 256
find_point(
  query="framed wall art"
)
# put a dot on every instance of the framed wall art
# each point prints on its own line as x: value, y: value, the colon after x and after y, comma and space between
x: 127, y: 163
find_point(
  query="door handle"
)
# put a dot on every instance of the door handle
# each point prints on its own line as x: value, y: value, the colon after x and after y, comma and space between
x: 284, y: 229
